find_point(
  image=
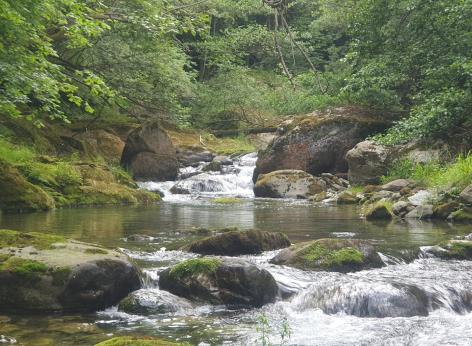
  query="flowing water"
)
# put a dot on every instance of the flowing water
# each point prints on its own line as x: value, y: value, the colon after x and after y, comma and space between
x: 413, y: 300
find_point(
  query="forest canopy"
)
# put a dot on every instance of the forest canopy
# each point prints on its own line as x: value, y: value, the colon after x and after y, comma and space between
x: 223, y: 64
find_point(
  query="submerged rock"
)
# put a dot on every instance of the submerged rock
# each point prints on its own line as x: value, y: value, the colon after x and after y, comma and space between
x: 137, y: 341
x: 234, y: 282
x: 317, y: 143
x: 235, y: 243
x: 153, y: 301
x: 40, y: 272
x: 340, y: 255
x: 288, y: 184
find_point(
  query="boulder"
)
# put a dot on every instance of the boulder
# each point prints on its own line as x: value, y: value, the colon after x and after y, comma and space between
x: 398, y: 185
x: 188, y: 157
x: 401, y: 208
x: 17, y: 194
x: 347, y: 197
x: 317, y: 143
x: 43, y: 273
x: 235, y: 243
x: 442, y: 211
x: 378, y: 211
x: 235, y: 282
x: 288, y: 184
x: 452, y: 249
x: 153, y: 301
x: 461, y: 215
x: 466, y: 194
x: 368, y: 162
x: 339, y: 255
x: 149, y: 154
x: 421, y: 212
x: 213, y: 166
x: 421, y: 197
x: 103, y: 143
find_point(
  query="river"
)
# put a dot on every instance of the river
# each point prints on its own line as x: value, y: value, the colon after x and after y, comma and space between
x: 413, y: 300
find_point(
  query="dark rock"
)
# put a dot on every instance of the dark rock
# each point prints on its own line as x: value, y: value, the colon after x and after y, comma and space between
x: 49, y: 273
x: 442, y: 211
x: 214, y: 166
x: 235, y: 283
x: 288, y: 184
x: 150, y: 154
x: 235, y: 243
x: 378, y: 211
x: 317, y: 143
x: 340, y: 255
x: 191, y: 157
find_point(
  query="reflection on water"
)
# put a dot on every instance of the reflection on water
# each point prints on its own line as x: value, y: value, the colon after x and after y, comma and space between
x: 300, y: 220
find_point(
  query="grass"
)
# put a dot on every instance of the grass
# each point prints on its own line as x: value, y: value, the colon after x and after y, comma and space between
x: 355, y: 189
x: 194, y: 266
x: 14, y: 154
x: 40, y: 241
x: 434, y: 175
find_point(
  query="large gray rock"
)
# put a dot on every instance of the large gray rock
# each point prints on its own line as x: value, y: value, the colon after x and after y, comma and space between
x: 234, y: 282
x: 368, y: 162
x: 235, y: 243
x: 397, y: 185
x: 149, y: 154
x: 466, y: 194
x: 288, y: 184
x: 317, y: 143
x: 43, y: 273
x: 421, y: 212
x: 340, y: 255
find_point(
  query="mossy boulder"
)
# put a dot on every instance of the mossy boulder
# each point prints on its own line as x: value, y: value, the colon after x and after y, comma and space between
x: 380, y: 210
x: 443, y: 210
x: 137, y: 341
x: 461, y: 215
x: 452, y: 249
x: 17, y: 194
x: 317, y: 143
x: 234, y: 283
x: 339, y: 255
x: 43, y: 273
x: 153, y: 301
x: 288, y: 184
x: 235, y: 243
x: 347, y: 197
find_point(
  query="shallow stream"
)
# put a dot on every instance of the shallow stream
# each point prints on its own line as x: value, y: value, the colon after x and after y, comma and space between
x: 411, y: 301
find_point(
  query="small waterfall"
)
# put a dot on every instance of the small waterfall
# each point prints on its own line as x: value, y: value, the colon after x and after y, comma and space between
x: 234, y: 180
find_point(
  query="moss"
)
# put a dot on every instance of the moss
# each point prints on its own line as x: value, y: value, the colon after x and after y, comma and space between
x: 96, y: 251
x: 24, y: 268
x: 227, y: 200
x: 327, y: 258
x: 461, y: 216
x: 137, y: 341
x: 4, y: 257
x: 381, y: 210
x: 60, y: 275
x: 457, y: 249
x: 40, y: 241
x: 194, y: 266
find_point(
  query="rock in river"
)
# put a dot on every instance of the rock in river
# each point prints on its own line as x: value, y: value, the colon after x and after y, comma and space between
x: 288, y: 184
x: 340, y: 255
x: 235, y: 243
x: 232, y: 282
x: 41, y: 272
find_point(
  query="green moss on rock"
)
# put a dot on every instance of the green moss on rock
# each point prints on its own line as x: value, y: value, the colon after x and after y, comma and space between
x: 328, y: 258
x: 380, y: 210
x: 194, y: 266
x: 40, y: 241
x: 137, y: 341
x: 456, y: 249
x: 24, y: 268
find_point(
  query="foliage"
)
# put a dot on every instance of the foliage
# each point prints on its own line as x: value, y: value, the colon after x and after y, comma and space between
x: 457, y: 174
